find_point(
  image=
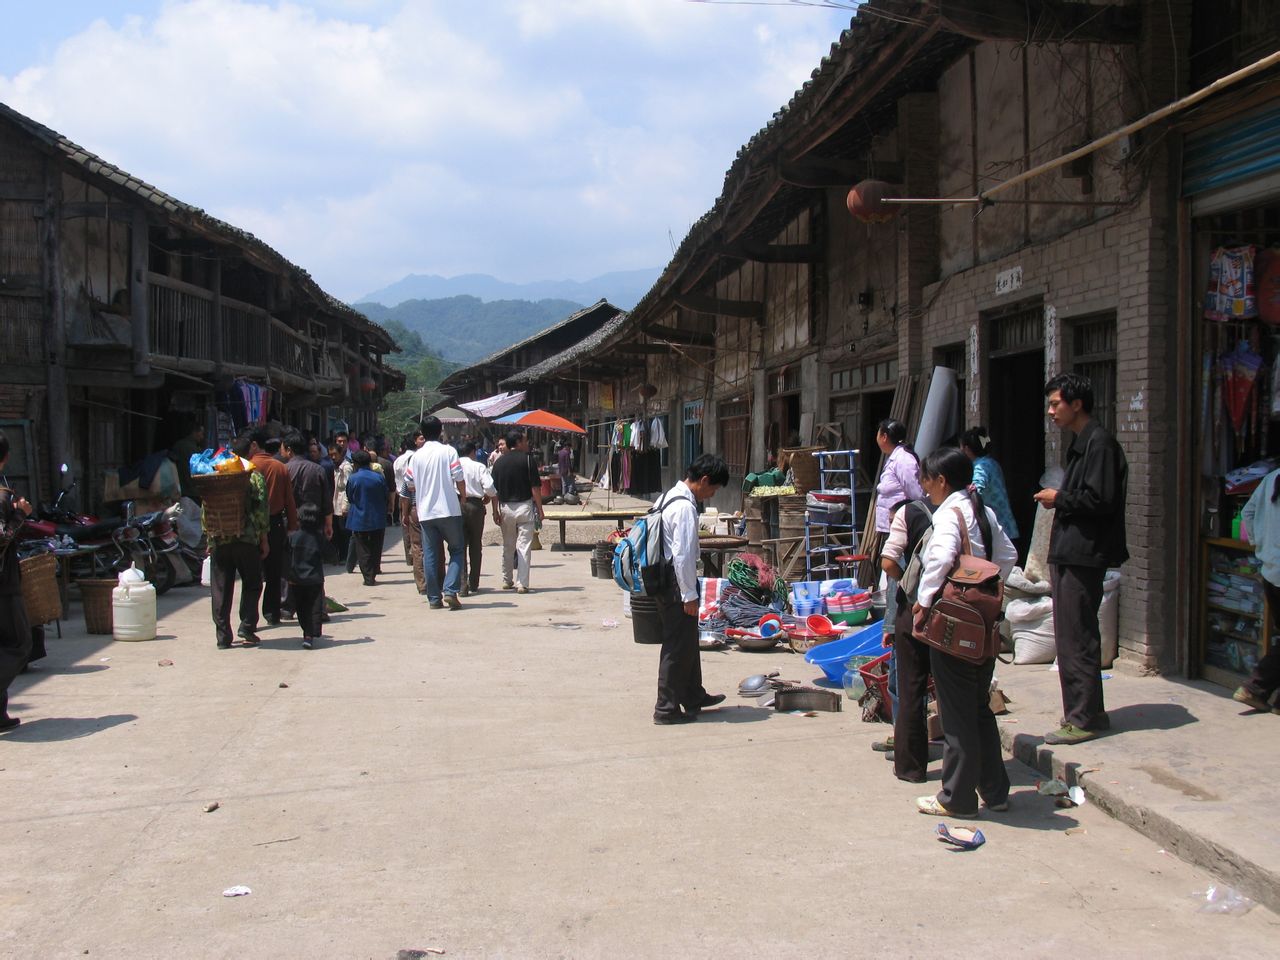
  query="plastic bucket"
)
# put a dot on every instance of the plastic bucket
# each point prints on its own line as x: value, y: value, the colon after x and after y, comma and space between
x: 133, y: 612
x: 646, y: 625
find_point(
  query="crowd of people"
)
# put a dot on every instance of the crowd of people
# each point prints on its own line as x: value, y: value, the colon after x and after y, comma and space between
x: 303, y: 508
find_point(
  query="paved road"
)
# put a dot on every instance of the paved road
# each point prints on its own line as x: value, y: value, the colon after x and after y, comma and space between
x: 490, y: 784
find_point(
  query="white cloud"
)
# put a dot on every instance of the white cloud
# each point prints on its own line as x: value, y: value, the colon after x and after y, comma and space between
x: 366, y: 139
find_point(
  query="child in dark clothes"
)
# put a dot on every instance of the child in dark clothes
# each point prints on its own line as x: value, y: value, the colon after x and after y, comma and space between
x: 306, y: 572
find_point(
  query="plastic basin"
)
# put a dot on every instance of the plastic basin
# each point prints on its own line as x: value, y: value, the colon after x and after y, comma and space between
x: 832, y: 657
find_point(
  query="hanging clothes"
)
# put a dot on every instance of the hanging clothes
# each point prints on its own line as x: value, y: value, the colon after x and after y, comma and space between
x: 1231, y: 294
x: 657, y: 435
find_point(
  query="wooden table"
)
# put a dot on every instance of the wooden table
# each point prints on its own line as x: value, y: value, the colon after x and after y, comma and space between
x: 570, y: 516
x: 713, y: 551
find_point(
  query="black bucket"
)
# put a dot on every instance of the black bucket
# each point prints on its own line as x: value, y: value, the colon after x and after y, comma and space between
x: 602, y: 560
x: 646, y: 625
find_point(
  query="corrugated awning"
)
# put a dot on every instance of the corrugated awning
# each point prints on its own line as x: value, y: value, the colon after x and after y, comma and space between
x: 494, y: 406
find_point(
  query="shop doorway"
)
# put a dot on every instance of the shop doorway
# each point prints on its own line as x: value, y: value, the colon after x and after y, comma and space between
x: 1017, y: 427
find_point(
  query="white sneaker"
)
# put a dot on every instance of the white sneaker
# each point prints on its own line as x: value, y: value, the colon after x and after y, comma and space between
x: 522, y: 589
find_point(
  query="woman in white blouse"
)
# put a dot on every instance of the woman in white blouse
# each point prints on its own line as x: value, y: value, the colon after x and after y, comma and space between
x: 972, y: 760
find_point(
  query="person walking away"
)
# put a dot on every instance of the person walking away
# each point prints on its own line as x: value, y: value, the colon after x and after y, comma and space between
x: 681, y: 695
x: 1087, y: 537
x: 910, y: 740
x: 972, y: 759
x: 517, y: 509
x: 564, y: 465
x: 411, y: 531
x: 283, y: 513
x: 479, y: 491
x: 436, y: 474
x: 310, y: 486
x: 15, y: 630
x: 1261, y: 519
x: 367, y: 515
x: 306, y: 573
x: 240, y: 555
x: 988, y: 478
x: 387, y: 468
x: 341, y: 473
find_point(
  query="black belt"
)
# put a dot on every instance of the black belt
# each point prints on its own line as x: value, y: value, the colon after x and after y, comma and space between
x: 479, y: 500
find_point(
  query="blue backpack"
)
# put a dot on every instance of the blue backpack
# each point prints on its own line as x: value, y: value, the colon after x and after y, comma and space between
x: 638, y: 564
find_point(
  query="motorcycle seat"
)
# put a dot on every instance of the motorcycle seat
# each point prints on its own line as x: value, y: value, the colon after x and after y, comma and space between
x: 90, y: 531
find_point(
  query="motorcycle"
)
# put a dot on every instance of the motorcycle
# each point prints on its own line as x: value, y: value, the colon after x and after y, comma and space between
x: 58, y: 527
x: 161, y: 545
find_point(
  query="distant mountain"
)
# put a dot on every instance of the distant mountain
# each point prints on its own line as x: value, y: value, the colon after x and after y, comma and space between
x: 623, y: 288
x: 466, y: 329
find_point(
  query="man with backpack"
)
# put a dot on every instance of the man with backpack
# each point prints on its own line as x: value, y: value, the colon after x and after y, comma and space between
x: 681, y: 695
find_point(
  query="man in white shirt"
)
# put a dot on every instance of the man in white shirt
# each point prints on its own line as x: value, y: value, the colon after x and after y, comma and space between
x: 411, y: 532
x: 681, y: 695
x: 480, y: 490
x: 438, y: 487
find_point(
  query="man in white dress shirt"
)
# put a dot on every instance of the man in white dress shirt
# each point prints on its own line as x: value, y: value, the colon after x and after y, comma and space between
x: 681, y: 695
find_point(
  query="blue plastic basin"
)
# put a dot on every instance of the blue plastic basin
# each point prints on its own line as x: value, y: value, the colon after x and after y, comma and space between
x: 831, y: 657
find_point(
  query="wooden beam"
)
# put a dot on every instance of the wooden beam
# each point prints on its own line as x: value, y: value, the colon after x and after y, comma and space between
x: 101, y: 211
x: 771, y: 252
x: 821, y: 174
x: 685, y: 338
x: 643, y: 348
x: 1040, y: 21
x: 700, y: 303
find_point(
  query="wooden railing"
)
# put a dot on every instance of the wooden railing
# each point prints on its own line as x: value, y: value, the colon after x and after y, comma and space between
x: 180, y: 319
x: 243, y: 333
x: 290, y: 351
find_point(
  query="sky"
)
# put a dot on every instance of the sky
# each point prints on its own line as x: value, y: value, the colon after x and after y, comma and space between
x: 369, y: 139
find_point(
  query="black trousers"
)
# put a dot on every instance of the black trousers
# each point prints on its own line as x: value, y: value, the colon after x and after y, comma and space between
x: 679, y: 662
x: 1077, y: 594
x: 341, y: 538
x: 309, y: 598
x: 230, y: 559
x: 473, y: 539
x: 972, y: 761
x: 910, y: 729
x: 1265, y: 678
x: 15, y: 642
x: 274, y: 565
x: 368, y: 547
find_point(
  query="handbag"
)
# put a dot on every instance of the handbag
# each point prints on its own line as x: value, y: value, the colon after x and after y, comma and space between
x: 964, y: 620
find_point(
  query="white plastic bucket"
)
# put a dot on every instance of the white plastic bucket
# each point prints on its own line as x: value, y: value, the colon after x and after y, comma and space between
x: 133, y: 611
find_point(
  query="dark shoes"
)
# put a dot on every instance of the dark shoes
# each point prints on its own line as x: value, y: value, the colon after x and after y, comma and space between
x: 668, y: 719
x: 452, y: 602
x: 370, y: 582
x: 8, y: 723
x: 1250, y: 699
x: 306, y: 643
x: 248, y: 637
x: 224, y: 644
x: 436, y: 605
x: 273, y: 620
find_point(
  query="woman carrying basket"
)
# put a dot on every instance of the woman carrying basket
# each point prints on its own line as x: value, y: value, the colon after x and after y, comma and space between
x: 972, y: 759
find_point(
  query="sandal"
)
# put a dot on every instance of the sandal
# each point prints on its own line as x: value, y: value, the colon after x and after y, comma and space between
x: 933, y: 808
x: 961, y: 837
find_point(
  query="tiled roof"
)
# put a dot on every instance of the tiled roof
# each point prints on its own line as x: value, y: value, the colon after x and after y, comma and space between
x: 197, y: 218
x: 569, y: 356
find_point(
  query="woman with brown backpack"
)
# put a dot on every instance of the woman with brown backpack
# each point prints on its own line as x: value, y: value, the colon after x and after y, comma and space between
x: 967, y: 556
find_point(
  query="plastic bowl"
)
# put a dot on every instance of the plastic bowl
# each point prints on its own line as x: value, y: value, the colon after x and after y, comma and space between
x: 820, y: 625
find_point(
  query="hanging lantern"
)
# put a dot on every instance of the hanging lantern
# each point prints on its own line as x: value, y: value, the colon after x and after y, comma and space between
x: 368, y: 384
x: 648, y: 390
x: 866, y: 202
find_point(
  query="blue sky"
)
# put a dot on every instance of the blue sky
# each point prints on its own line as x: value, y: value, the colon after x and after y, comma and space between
x: 368, y: 139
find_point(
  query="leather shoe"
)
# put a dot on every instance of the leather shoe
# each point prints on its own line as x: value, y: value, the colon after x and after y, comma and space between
x: 711, y: 700
x: 272, y: 620
x: 8, y: 723
x: 673, y: 718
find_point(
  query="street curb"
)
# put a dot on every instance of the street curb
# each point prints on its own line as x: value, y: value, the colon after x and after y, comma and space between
x: 1232, y: 865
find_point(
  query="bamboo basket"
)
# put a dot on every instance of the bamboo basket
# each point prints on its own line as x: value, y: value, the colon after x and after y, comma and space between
x: 224, y: 496
x: 804, y: 466
x: 96, y: 594
x: 40, y: 595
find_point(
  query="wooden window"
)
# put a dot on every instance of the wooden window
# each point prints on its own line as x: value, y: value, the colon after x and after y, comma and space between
x: 735, y: 432
x: 1093, y: 354
x: 1018, y: 329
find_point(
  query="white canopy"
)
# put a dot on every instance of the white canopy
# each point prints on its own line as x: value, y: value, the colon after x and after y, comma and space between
x: 494, y: 406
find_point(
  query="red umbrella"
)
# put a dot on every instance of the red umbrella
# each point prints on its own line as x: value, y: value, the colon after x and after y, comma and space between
x: 540, y: 418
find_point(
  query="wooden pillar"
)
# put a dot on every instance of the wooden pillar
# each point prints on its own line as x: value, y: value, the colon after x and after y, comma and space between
x: 216, y: 341
x: 57, y: 400
x: 139, y: 257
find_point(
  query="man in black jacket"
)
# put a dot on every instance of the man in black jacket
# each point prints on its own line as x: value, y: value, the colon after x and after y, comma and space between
x: 1088, y: 537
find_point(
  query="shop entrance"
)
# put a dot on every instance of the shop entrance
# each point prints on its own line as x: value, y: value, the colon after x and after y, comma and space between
x: 1017, y: 426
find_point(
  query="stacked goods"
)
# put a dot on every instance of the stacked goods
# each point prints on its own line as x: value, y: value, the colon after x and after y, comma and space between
x: 786, y: 491
x: 849, y: 608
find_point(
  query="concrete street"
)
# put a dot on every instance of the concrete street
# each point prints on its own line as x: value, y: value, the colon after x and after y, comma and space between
x: 489, y: 783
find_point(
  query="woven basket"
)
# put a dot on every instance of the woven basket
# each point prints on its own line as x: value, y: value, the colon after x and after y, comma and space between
x: 96, y: 595
x: 40, y: 594
x: 224, y: 495
x: 804, y: 466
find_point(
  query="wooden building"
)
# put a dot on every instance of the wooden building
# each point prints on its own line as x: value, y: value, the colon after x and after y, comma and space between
x: 126, y: 314
x: 781, y: 318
